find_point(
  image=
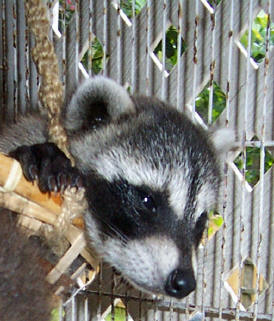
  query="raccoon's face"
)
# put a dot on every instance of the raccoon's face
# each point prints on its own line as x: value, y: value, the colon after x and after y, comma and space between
x: 146, y: 217
x: 150, y: 179
x: 139, y: 233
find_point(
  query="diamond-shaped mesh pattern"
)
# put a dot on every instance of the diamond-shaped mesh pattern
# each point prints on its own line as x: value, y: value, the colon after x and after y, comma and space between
x: 247, y: 283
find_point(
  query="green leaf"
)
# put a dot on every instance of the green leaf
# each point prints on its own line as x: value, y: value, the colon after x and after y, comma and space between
x: 210, y: 231
x: 126, y: 6
x: 257, y: 35
x: 261, y: 19
x: 218, y: 220
x: 55, y: 314
x: 119, y: 314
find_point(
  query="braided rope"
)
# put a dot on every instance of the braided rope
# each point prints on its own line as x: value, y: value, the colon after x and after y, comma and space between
x: 51, y: 95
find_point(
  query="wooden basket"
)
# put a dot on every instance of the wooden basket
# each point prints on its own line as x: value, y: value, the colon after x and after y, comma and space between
x: 37, y: 209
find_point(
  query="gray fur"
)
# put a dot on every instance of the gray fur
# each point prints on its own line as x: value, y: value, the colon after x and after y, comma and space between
x: 101, y: 90
x: 145, y: 144
x: 28, y: 131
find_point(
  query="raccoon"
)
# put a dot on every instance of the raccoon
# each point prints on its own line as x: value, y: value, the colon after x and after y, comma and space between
x: 149, y: 173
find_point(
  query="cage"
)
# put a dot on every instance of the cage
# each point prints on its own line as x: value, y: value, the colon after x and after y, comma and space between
x: 213, y: 59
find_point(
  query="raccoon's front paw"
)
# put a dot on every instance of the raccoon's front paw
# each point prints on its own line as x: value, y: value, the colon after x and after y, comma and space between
x: 49, y: 165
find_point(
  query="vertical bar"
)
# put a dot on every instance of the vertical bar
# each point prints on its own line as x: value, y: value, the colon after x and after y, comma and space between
x: 269, y: 307
x: 148, y: 49
x: 112, y: 294
x: 212, y: 66
x: 171, y: 310
x: 229, y: 65
x: 100, y: 280
x: 90, y: 38
x: 10, y: 62
x: 33, y: 78
x: 224, y: 212
x: 195, y: 59
x: 21, y: 58
x: 133, y: 50
x: 179, y: 53
x: 243, y: 188
x: 195, y: 69
x: 73, y: 309
x: 64, y: 45
x: 204, y: 283
x: 125, y: 301
x: 72, y: 52
x: 77, y: 31
x: 105, y: 19
x: 163, y: 87
x: 61, y: 311
x: 262, y: 163
x: 86, y: 309
x: 118, y: 43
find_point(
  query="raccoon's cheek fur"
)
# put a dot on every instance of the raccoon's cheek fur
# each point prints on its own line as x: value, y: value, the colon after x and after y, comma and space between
x: 152, y: 264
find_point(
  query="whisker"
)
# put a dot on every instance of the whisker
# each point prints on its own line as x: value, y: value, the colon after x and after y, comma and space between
x: 114, y: 230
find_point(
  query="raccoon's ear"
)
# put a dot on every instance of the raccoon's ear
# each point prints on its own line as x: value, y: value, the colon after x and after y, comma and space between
x: 95, y: 101
x: 222, y: 139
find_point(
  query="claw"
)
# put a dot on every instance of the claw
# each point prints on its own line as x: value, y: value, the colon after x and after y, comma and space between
x: 51, y: 184
x: 32, y: 172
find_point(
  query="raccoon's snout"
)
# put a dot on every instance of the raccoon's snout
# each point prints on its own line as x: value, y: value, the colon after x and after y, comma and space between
x: 180, y: 283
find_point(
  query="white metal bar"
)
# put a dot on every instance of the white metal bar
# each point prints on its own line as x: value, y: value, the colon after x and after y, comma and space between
x: 86, y: 309
x: 77, y: 32
x: 195, y: 44
x: 212, y: 67
x: 243, y: 189
x: 118, y: 43
x: 105, y: 23
x: 262, y: 165
x: 163, y: 86
x: 225, y: 178
x: 133, y: 49
x: 179, y: 53
x: 148, y: 49
x: 91, y: 37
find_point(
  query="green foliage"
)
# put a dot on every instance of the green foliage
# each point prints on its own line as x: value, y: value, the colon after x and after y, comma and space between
x: 252, y: 174
x: 202, y: 102
x: 126, y: 6
x: 94, y: 57
x: 119, y: 314
x: 55, y: 314
x: 215, y: 223
x: 171, y: 48
x: 214, y: 3
x: 258, y: 36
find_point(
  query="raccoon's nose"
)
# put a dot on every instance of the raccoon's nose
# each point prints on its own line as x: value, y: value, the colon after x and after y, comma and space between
x: 180, y: 283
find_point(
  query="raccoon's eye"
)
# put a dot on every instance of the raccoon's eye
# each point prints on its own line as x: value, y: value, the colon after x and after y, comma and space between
x: 148, y: 202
